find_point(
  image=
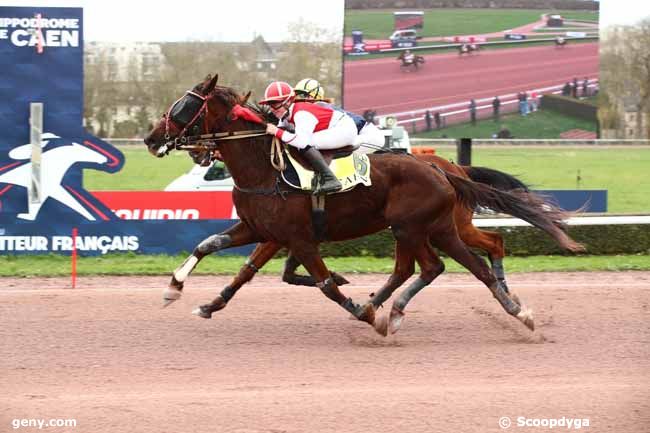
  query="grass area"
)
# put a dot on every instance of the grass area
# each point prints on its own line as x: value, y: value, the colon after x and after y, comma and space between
x: 379, y: 24
x: 141, y: 172
x: 132, y: 264
x: 352, y: 58
x: 568, y: 29
x: 542, y: 123
x: 580, y: 15
x: 622, y: 171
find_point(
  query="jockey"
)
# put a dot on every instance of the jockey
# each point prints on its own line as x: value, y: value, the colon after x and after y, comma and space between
x: 316, y: 127
x: 407, y: 57
x: 309, y: 88
x: 368, y: 133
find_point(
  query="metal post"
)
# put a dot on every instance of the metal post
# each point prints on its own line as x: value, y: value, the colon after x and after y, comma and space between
x: 464, y: 151
x: 35, y: 137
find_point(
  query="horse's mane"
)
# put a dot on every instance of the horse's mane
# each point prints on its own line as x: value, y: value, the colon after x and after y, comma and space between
x: 262, y: 111
x: 229, y: 97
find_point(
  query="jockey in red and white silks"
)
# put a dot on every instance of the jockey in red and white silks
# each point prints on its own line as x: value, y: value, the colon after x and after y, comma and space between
x: 369, y: 138
x: 315, y: 127
x: 318, y: 126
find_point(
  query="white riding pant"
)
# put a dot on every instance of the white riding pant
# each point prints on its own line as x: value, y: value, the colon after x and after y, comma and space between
x: 370, y: 139
x: 340, y: 134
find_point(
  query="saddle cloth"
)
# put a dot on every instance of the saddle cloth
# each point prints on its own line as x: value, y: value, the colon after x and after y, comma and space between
x: 351, y: 170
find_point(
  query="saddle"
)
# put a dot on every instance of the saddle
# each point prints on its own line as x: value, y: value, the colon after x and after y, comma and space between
x: 350, y: 168
x: 328, y: 155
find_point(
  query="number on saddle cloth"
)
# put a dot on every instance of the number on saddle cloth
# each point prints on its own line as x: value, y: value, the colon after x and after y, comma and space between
x: 351, y: 170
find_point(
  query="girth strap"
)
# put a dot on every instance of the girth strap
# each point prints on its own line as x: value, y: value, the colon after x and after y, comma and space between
x: 318, y: 217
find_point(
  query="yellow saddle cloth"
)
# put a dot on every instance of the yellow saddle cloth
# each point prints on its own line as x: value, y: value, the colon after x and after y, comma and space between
x: 351, y: 171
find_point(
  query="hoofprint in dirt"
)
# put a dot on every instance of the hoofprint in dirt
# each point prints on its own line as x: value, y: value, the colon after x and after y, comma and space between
x: 283, y: 359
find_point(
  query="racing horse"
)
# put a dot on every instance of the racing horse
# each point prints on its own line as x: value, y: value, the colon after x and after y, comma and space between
x: 414, y: 64
x: 415, y: 199
x: 468, y: 49
x: 488, y: 241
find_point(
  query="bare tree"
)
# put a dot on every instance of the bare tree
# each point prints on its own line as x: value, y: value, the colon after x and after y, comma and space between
x: 625, y: 74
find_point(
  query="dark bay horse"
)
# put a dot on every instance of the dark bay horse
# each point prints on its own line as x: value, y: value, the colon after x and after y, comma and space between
x: 415, y: 199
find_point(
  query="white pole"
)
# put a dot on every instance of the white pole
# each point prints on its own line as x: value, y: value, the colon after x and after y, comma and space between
x: 35, y: 137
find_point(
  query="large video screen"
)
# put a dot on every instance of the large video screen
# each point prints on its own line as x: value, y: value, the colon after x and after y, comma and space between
x: 473, y: 72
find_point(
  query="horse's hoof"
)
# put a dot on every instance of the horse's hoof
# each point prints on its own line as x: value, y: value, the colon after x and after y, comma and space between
x: 202, y: 311
x: 525, y: 316
x: 381, y: 325
x: 339, y: 280
x: 171, y: 294
x: 218, y: 304
x: 516, y: 299
x: 396, y: 319
x: 168, y: 302
x: 367, y: 313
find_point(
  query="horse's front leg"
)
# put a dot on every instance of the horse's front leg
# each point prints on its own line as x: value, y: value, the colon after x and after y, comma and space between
x: 262, y: 254
x: 289, y: 275
x: 237, y: 235
x: 309, y: 256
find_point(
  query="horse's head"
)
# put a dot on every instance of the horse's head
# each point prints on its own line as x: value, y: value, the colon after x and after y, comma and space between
x: 202, y: 110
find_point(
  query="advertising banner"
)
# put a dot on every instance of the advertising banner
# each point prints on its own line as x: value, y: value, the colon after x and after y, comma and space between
x: 42, y: 57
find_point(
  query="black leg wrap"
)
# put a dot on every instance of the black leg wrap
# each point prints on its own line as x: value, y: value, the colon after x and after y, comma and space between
x: 251, y: 265
x: 409, y: 292
x: 497, y: 269
x: 227, y: 293
x: 511, y: 307
x: 327, y: 287
x: 351, y: 307
x: 380, y: 297
x: 500, y: 273
x: 211, y: 244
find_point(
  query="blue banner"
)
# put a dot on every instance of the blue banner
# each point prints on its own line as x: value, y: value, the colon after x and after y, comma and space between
x: 42, y: 61
x: 98, y: 238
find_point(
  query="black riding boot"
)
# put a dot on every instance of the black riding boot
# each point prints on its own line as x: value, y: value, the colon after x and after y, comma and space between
x: 327, y: 181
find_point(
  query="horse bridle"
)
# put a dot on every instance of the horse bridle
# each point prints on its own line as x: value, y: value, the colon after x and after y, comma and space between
x: 190, y: 110
x: 180, y: 112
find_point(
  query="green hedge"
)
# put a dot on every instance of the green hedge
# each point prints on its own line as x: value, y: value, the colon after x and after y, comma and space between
x: 519, y: 241
x: 583, y: 108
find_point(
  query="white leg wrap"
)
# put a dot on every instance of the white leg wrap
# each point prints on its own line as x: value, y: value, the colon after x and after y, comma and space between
x: 182, y: 273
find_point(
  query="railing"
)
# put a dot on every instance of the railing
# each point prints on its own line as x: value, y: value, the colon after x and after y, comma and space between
x: 510, y: 42
x: 530, y: 142
x: 457, y: 110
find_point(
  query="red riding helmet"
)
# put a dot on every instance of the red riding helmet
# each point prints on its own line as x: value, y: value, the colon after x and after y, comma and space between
x: 278, y: 92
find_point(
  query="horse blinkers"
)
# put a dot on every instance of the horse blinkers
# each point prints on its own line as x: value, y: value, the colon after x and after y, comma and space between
x: 188, y: 113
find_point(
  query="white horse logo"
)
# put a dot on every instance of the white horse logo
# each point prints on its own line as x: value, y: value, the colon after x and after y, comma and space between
x: 55, y: 163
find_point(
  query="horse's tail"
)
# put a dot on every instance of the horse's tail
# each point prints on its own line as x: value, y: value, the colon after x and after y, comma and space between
x: 495, y: 178
x: 527, y: 206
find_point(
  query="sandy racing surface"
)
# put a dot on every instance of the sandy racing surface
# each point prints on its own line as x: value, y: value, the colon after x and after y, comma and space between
x: 284, y: 359
x: 448, y: 78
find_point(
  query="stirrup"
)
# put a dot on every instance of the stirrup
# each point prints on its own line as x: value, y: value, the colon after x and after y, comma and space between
x: 321, y: 190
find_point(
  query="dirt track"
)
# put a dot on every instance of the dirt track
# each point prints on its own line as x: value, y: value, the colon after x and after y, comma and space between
x: 283, y: 359
x: 448, y: 78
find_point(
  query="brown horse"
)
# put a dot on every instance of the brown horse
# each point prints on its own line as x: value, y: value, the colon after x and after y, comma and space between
x: 488, y: 241
x: 413, y: 198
